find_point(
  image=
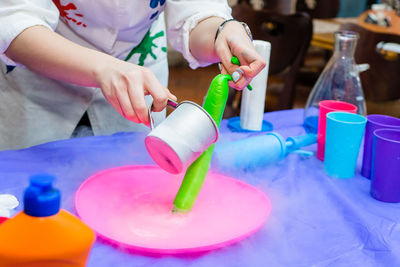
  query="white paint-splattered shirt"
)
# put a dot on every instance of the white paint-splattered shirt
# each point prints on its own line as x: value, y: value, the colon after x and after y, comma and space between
x: 114, y: 27
x: 35, y: 109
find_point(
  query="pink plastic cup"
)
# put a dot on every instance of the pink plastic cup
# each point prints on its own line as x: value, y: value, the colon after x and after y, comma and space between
x: 325, y: 107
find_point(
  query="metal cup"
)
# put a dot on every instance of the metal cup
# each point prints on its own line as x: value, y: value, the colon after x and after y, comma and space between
x: 181, y: 138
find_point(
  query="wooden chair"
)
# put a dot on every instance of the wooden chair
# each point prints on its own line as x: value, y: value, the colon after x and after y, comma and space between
x: 323, y: 9
x: 382, y: 81
x: 289, y: 35
x: 278, y: 6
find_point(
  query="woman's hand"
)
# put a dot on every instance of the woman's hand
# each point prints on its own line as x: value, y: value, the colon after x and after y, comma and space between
x: 233, y: 40
x: 124, y: 85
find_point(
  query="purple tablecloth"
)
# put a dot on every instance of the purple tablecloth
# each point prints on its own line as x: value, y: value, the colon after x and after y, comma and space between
x: 315, y: 220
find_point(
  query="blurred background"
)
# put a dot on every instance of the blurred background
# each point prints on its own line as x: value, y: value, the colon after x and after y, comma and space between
x: 301, y: 33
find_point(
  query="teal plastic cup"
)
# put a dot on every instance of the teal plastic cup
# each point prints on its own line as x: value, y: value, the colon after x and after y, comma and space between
x: 344, y: 133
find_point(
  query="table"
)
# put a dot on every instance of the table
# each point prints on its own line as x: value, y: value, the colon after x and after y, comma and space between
x: 324, y: 29
x: 394, y: 20
x: 315, y: 220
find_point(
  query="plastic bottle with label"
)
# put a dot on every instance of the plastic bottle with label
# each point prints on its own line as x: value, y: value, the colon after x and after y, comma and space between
x: 43, y: 234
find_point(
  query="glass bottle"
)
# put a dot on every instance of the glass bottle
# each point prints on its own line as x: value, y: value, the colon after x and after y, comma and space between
x: 339, y: 80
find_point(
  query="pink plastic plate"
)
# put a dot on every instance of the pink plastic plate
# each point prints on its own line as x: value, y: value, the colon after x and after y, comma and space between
x: 131, y: 206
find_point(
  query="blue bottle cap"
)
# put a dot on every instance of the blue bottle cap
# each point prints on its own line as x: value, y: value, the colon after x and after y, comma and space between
x: 41, y: 199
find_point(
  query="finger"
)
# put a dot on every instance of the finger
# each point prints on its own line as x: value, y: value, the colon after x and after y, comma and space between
x: 157, y: 90
x: 248, y: 72
x: 236, y: 72
x: 222, y: 69
x: 115, y: 103
x: 224, y: 53
x: 239, y: 85
x: 252, y: 64
x: 239, y: 78
x: 254, y: 68
x: 136, y: 96
x: 171, y: 96
x: 110, y: 96
x: 125, y: 102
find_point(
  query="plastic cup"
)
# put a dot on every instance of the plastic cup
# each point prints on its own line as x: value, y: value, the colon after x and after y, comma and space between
x: 385, y: 174
x: 344, y: 133
x: 374, y: 122
x: 325, y: 107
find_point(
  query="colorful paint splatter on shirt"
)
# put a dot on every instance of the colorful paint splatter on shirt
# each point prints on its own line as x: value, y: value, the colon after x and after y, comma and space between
x: 9, y: 68
x: 66, y: 13
x: 154, y: 4
x: 145, y: 47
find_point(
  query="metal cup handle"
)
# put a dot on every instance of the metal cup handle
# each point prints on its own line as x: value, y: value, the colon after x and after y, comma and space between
x: 173, y: 104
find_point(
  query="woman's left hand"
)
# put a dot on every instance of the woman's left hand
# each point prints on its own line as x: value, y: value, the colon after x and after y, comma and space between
x: 233, y: 40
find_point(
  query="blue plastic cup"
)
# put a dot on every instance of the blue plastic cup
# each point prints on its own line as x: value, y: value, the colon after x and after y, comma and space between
x: 344, y: 133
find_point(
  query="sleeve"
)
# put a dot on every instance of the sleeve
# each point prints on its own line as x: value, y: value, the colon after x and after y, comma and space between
x: 18, y: 15
x: 183, y: 15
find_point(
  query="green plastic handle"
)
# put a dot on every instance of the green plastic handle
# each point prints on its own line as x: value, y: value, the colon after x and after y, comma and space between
x: 191, y: 185
x: 235, y: 61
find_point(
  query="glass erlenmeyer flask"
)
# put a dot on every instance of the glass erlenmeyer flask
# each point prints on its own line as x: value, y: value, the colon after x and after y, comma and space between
x: 339, y: 80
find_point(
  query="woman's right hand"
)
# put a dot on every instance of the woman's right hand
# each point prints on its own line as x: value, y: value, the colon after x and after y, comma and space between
x: 124, y: 85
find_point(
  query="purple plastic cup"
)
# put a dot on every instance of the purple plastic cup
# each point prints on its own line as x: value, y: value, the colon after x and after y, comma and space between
x: 374, y: 122
x: 385, y: 175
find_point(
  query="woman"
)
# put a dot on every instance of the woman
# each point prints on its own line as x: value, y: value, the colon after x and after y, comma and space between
x: 81, y: 56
